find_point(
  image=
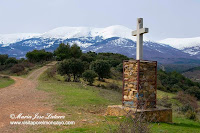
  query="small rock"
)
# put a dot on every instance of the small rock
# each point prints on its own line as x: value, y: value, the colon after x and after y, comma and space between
x: 92, y: 112
x: 84, y: 120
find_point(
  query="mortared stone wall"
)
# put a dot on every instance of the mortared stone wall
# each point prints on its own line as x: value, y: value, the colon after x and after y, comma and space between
x: 139, y: 84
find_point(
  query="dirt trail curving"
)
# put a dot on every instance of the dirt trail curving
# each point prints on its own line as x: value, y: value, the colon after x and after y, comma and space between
x: 23, y: 97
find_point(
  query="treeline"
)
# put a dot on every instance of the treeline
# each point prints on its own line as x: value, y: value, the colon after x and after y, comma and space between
x: 75, y: 64
x: 175, y: 82
x: 39, y: 56
x: 22, y: 66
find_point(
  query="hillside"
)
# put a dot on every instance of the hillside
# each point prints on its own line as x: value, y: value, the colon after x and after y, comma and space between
x: 90, y: 103
x: 193, y: 74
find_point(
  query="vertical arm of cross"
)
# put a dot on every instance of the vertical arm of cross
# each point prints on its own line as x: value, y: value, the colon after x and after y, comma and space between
x: 139, y: 33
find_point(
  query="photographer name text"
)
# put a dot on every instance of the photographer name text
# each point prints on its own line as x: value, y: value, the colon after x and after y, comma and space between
x: 36, y: 116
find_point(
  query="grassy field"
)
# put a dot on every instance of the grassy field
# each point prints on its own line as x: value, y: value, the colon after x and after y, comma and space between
x: 179, y: 125
x: 4, y: 82
x: 86, y: 106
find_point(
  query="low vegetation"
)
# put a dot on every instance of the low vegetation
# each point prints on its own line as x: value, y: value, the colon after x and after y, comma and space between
x: 193, y: 74
x: 175, y: 82
x: 13, y: 66
x: 89, y: 76
x: 5, y: 81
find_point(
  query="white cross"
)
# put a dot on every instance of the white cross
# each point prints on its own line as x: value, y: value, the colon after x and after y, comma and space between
x: 139, y: 33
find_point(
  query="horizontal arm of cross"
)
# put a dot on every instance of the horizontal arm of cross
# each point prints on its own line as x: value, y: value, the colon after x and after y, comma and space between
x: 141, y: 31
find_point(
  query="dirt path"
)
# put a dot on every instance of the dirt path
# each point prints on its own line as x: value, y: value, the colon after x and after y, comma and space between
x: 22, y: 97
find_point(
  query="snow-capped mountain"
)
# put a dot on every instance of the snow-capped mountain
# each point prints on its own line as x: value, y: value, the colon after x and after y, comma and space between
x: 187, y: 45
x: 72, y: 32
x: 116, y: 39
x: 78, y: 32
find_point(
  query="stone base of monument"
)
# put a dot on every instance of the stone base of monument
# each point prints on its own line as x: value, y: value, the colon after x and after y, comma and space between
x: 152, y: 115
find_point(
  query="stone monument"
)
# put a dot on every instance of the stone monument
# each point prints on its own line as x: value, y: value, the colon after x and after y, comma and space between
x: 140, y: 85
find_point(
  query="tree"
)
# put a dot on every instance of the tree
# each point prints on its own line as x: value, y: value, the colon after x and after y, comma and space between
x: 71, y: 66
x: 92, y: 54
x: 76, y: 67
x: 120, y: 67
x: 114, y: 59
x: 101, y: 67
x: 194, y: 90
x: 64, y: 69
x: 87, y: 58
x: 63, y: 52
x: 49, y: 56
x: 89, y: 76
x: 3, y: 59
x: 76, y: 51
x: 11, y: 60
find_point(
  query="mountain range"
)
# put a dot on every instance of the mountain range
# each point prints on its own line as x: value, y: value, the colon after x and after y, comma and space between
x: 116, y: 39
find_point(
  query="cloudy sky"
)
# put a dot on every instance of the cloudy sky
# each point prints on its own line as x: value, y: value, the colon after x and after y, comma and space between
x: 164, y: 18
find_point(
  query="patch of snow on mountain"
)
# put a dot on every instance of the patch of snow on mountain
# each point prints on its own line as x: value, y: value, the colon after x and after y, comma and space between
x: 94, y: 50
x: 68, y: 32
x: 191, y: 52
x: 158, y: 50
x: 7, y: 39
x: 119, y: 42
x: 181, y: 43
x: 116, y: 31
x: 83, y: 45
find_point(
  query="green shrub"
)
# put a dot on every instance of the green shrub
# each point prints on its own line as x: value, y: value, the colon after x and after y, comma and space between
x: 51, y: 72
x: 101, y: 67
x: 39, y: 56
x: 17, y: 68
x: 3, y: 59
x: 5, y: 77
x: 11, y: 61
x: 114, y: 86
x: 115, y: 74
x: 164, y: 102
x: 194, y: 90
x: 114, y: 59
x: 70, y: 67
x: 162, y: 88
x: 174, y: 82
x: 191, y: 115
x: 120, y: 67
x: 3, y: 67
x: 27, y: 64
x: 87, y: 57
x: 188, y: 102
x: 89, y: 76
